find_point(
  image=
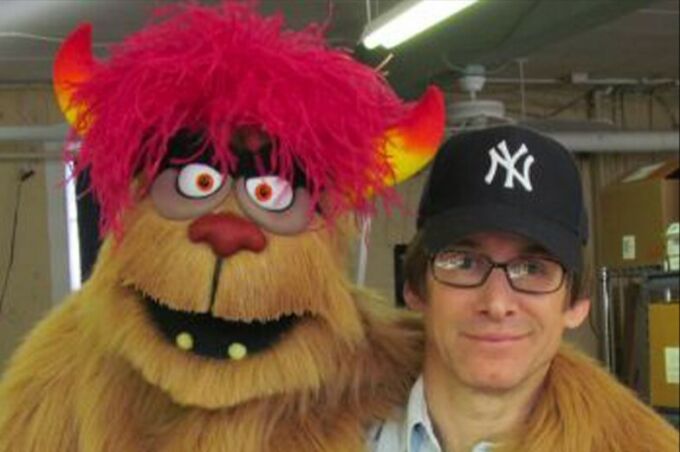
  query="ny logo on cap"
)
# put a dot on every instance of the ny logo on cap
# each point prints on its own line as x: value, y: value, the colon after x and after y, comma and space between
x: 501, y: 156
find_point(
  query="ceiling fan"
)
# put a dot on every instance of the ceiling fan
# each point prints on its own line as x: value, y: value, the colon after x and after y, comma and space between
x: 474, y: 113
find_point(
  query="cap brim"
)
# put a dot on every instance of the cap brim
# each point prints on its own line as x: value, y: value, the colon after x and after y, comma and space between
x: 445, y: 229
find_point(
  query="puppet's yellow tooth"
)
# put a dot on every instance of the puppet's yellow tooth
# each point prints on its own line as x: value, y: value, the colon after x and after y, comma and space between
x: 184, y: 341
x: 237, y: 351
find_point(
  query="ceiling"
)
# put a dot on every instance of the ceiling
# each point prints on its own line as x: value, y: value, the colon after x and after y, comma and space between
x: 604, y: 38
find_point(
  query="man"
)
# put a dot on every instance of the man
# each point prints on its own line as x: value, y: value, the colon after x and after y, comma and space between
x: 497, y: 271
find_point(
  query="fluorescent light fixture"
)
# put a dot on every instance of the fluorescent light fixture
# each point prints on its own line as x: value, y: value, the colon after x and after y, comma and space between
x: 75, y: 276
x: 409, y: 18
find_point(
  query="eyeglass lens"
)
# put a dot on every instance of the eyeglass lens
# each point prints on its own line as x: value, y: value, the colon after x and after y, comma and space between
x: 463, y: 268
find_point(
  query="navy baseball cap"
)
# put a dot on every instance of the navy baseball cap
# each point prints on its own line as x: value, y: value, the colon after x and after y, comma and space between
x: 510, y: 179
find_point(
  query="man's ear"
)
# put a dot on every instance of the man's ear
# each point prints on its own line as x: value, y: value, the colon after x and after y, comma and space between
x: 576, y: 313
x: 412, y: 299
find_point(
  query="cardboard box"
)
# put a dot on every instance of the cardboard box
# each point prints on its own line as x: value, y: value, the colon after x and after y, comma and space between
x: 664, y: 347
x: 635, y: 214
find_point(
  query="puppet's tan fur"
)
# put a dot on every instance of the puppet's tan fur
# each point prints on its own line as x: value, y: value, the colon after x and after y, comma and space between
x: 583, y: 409
x: 96, y: 376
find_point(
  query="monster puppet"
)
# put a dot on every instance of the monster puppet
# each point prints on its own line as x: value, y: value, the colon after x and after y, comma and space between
x: 229, y: 157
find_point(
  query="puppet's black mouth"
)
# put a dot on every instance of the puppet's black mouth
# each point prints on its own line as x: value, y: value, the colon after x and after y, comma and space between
x: 205, y: 335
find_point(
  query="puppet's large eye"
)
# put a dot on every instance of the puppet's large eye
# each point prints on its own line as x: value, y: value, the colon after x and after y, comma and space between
x: 198, y: 180
x: 188, y: 192
x: 270, y: 192
x: 273, y: 204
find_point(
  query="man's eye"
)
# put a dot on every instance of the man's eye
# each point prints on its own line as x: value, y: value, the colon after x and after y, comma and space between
x: 527, y: 267
x: 198, y: 180
x: 455, y: 261
x: 270, y: 192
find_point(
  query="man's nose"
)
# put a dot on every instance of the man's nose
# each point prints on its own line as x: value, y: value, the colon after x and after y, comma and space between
x: 497, y: 298
x: 227, y: 234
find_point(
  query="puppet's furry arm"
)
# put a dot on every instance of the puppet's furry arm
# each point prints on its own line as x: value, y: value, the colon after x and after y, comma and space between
x: 37, y: 390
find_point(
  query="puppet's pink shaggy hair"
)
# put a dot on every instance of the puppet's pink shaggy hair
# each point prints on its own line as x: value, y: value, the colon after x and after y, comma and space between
x: 213, y: 69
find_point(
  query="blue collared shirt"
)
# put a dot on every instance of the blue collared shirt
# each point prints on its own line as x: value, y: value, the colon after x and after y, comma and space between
x: 414, y: 431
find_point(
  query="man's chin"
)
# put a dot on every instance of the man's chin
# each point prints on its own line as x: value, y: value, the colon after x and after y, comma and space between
x: 499, y: 376
x: 492, y: 382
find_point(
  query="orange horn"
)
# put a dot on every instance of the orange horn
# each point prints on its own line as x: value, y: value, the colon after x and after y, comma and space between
x: 412, y: 144
x: 73, y: 66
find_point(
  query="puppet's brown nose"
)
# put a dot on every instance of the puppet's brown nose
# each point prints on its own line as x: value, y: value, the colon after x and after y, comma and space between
x: 227, y: 234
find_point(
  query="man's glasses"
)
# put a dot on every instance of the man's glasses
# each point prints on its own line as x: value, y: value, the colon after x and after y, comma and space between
x: 467, y: 269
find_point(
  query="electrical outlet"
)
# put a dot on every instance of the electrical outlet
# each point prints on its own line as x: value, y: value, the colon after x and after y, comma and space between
x: 26, y: 171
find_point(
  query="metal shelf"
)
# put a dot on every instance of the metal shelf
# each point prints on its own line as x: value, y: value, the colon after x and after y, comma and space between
x: 656, y: 285
x: 653, y: 277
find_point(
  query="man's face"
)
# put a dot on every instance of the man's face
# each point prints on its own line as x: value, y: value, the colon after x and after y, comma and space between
x: 492, y: 337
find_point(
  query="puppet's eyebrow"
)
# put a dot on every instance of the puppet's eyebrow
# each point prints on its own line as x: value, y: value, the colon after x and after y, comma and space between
x: 191, y: 147
x: 251, y: 164
x: 187, y: 147
x: 256, y: 164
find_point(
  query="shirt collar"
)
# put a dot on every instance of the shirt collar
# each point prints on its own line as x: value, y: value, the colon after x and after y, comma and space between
x: 419, y: 432
x: 418, y: 423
